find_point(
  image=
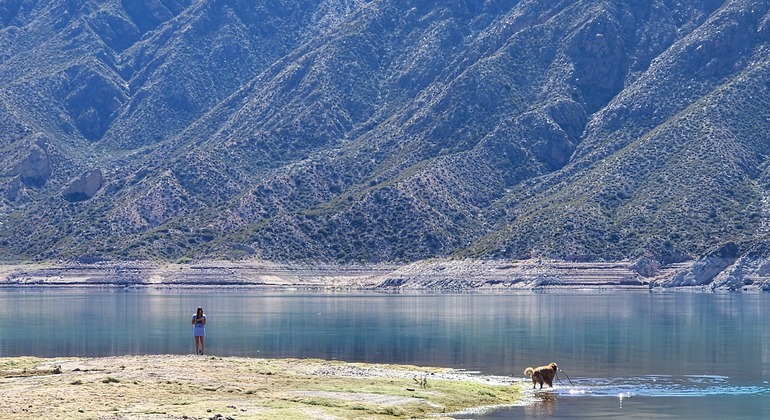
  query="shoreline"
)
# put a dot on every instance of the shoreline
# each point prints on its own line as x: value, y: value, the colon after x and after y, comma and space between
x: 433, y: 275
x: 197, y: 387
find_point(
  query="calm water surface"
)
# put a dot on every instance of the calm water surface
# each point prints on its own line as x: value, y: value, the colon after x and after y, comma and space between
x: 627, y: 354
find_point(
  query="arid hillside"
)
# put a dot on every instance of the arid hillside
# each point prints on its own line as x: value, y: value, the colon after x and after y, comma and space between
x: 381, y: 132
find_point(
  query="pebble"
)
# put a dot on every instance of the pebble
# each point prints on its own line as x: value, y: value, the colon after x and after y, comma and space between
x: 221, y: 417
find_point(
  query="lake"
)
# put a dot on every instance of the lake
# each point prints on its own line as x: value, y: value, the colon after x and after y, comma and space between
x: 628, y: 354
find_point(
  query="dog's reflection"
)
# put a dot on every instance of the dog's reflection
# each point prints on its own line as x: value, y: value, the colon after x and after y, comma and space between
x: 544, y: 404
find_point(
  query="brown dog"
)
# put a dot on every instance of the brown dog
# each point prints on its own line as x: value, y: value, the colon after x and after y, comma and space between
x: 542, y: 374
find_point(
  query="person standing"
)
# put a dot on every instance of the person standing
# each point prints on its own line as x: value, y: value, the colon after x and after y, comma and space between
x: 199, y: 330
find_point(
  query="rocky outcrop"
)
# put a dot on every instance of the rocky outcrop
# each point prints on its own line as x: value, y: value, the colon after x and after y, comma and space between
x: 597, y: 55
x: 747, y: 273
x: 32, y: 171
x: 84, y: 187
x: 35, y: 169
x: 12, y: 189
x: 750, y: 271
x: 705, y: 270
x: 647, y: 267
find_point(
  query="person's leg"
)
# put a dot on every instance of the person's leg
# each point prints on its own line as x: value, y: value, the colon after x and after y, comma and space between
x: 203, y: 344
x: 197, y: 344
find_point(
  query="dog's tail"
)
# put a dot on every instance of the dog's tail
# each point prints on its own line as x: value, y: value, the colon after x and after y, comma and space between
x: 529, y: 371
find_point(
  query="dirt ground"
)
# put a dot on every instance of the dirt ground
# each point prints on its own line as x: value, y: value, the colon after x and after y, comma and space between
x: 208, y: 387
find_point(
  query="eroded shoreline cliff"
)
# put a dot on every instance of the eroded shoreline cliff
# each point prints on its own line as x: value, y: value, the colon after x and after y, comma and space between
x: 445, y: 275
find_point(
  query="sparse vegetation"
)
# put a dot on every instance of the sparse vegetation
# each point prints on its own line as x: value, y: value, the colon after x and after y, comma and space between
x: 391, y: 132
x: 291, y: 390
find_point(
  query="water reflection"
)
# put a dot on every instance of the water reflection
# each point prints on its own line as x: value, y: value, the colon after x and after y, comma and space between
x: 589, y: 335
x: 644, y: 346
x: 544, y: 405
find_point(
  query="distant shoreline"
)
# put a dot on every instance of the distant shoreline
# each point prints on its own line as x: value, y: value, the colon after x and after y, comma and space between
x: 436, y: 275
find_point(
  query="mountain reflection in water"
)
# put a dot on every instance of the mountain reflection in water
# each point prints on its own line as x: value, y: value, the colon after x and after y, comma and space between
x: 627, y: 353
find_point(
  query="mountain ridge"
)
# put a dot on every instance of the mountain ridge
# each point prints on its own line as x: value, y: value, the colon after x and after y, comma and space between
x: 369, y: 132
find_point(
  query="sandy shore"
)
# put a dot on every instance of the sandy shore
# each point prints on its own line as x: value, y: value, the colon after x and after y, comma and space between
x: 210, y: 387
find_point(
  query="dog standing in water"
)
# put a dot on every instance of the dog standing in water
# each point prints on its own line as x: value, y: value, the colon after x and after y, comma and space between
x: 542, y: 374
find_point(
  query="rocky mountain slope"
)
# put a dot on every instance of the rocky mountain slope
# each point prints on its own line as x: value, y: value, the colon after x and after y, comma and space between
x: 384, y: 131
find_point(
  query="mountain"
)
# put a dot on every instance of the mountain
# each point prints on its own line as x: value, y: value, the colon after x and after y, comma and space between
x: 384, y: 131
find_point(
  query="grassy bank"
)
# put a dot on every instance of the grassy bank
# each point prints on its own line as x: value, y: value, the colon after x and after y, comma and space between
x: 203, y: 387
